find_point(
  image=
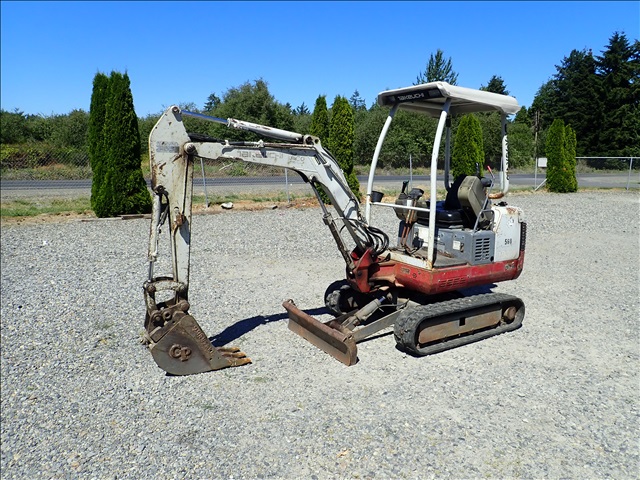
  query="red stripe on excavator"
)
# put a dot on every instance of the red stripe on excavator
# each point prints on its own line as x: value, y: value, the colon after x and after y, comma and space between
x: 438, y: 280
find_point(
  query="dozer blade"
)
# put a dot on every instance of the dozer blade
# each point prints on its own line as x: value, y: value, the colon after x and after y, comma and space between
x: 335, y: 340
x: 185, y: 349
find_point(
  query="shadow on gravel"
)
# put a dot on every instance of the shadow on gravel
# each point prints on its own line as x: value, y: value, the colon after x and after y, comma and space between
x: 242, y: 327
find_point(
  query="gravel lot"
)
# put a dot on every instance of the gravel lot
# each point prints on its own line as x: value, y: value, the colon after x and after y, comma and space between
x: 81, y: 398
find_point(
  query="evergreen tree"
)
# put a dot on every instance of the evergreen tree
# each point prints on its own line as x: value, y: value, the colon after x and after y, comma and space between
x: 544, y: 108
x: 560, y: 176
x: 579, y: 98
x: 357, y: 102
x: 95, y: 134
x: 468, y: 150
x: 491, y: 138
x: 212, y: 102
x: 123, y: 190
x: 301, y: 119
x: 438, y: 70
x: 570, y: 155
x: 523, y: 117
x: 619, y: 70
x: 320, y: 119
x: 367, y: 129
x: 599, y: 97
x: 341, y: 140
x: 495, y: 85
x: 302, y: 110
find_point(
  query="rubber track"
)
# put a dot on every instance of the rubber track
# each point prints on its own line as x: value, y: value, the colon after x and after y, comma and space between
x: 405, y: 329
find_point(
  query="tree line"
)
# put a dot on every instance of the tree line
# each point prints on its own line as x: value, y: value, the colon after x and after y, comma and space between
x: 598, y: 96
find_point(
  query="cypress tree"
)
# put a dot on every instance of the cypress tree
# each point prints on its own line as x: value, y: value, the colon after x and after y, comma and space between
x: 468, y: 149
x: 341, y: 140
x: 560, y: 175
x: 95, y: 133
x: 123, y: 190
x: 570, y: 145
x: 320, y: 119
x: 319, y: 127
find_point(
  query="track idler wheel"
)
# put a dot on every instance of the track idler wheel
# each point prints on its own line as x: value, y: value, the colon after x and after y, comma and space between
x: 341, y: 298
x: 434, y: 328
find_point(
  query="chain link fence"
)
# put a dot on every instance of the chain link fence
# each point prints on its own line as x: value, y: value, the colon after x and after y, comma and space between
x: 595, y: 170
x: 42, y: 170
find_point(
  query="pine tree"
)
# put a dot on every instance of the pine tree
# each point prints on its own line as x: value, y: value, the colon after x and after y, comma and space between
x: 468, y: 151
x: 438, y: 70
x: 579, y: 99
x: 96, y: 133
x: 619, y: 70
x: 357, y: 102
x: 496, y: 85
x: 123, y: 190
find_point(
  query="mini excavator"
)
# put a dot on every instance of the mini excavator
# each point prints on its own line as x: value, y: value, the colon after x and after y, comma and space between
x: 416, y: 280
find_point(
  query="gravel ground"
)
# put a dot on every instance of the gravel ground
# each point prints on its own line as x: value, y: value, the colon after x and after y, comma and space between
x: 81, y: 398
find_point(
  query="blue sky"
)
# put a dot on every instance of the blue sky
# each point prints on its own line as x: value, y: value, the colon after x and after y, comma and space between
x: 180, y: 52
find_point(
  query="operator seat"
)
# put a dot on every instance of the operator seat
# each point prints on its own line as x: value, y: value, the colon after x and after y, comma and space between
x: 449, y: 213
x: 472, y: 197
x: 464, y: 203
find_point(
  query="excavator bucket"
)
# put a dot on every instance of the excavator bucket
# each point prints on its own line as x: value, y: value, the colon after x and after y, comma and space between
x: 330, y: 337
x: 181, y: 347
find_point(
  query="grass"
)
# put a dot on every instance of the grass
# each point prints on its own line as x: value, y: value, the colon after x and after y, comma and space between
x: 30, y: 207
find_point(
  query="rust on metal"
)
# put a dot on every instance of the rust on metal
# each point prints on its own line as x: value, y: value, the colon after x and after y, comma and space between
x: 457, y: 325
x: 337, y: 342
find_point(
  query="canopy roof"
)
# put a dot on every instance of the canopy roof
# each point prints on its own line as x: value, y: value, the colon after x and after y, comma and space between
x: 430, y: 97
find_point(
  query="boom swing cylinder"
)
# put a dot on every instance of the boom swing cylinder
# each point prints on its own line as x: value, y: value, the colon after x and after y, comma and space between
x: 415, y: 287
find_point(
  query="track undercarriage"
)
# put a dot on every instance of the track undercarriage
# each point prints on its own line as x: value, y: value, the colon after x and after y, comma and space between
x: 422, y: 325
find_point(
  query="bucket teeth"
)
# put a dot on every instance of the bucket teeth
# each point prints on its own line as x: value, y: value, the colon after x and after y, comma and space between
x: 183, y: 349
x: 234, y: 355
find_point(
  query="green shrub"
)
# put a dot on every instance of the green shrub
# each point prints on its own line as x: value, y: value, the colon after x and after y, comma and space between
x: 95, y: 134
x: 121, y: 189
x: 468, y: 150
x: 341, y: 139
x: 570, y: 145
x: 560, y: 151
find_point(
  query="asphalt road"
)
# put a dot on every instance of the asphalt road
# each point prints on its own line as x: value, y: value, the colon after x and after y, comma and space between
x: 586, y: 179
x: 29, y: 188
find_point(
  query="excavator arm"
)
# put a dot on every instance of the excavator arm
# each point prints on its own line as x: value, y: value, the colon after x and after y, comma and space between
x: 176, y: 341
